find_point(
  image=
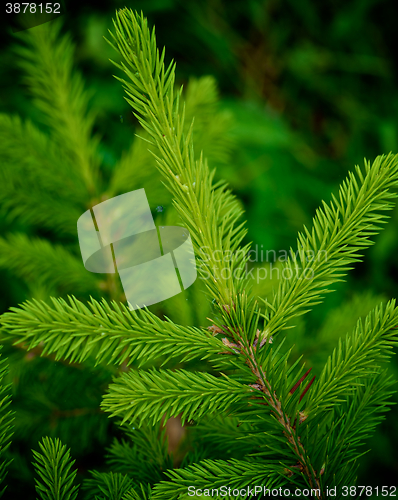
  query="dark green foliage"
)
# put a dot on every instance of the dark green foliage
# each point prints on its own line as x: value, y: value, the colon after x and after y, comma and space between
x: 253, y: 412
x: 107, y: 485
x: 144, y: 457
x: 6, y: 423
x: 48, y: 265
x: 53, y: 467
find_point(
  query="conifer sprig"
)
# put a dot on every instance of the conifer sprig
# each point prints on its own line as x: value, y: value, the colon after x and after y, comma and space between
x: 28, y: 152
x: 214, y: 474
x: 355, y: 358
x: 148, y: 395
x: 137, y: 167
x: 353, y: 391
x: 109, y: 332
x: 142, y: 494
x: 109, y: 485
x: 144, y: 456
x: 6, y: 422
x: 37, y: 260
x: 206, y: 208
x: 340, y: 231
x: 354, y: 422
x: 53, y: 466
x: 58, y: 90
x: 31, y: 188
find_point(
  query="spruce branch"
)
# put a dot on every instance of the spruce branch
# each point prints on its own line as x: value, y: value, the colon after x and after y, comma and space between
x: 40, y: 208
x: 31, y: 160
x: 137, y: 165
x: 53, y: 466
x: 139, y: 396
x: 210, y: 124
x: 6, y: 421
x: 47, y: 60
x: 39, y: 261
x: 109, y: 332
x: 340, y: 231
x: 109, y: 485
x: 31, y: 188
x: 358, y: 356
x: 142, y: 494
x: 355, y: 421
x: 144, y: 457
x: 206, y: 208
x: 211, y: 474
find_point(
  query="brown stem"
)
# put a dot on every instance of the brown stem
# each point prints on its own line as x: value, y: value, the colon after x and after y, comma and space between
x: 264, y: 386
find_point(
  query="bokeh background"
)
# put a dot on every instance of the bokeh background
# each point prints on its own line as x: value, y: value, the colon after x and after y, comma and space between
x: 310, y: 89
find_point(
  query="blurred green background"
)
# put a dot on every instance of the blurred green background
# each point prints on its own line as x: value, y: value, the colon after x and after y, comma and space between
x: 311, y: 88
